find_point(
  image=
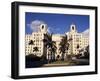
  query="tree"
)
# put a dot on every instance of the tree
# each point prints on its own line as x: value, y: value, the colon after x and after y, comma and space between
x: 86, y: 54
x: 53, y: 50
x: 64, y: 45
x: 31, y: 42
x: 51, y: 47
x: 31, y: 58
x: 35, y: 49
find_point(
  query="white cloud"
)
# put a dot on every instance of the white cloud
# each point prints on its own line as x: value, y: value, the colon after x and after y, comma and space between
x: 34, y: 25
x: 53, y: 30
x: 86, y: 32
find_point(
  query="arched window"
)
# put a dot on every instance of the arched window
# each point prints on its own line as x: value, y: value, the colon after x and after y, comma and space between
x: 42, y: 26
x: 72, y: 27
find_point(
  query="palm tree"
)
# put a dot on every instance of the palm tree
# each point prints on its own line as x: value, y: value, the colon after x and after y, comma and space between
x: 51, y: 47
x: 86, y: 54
x: 53, y: 50
x: 31, y: 42
x: 35, y: 49
x: 64, y: 45
x: 31, y: 57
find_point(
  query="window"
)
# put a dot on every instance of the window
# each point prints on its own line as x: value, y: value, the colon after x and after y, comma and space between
x: 72, y: 27
x: 42, y: 26
x: 77, y: 40
x: 78, y: 46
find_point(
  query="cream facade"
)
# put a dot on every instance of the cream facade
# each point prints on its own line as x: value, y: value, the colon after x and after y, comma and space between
x: 34, y: 43
x: 77, y: 41
x: 57, y: 38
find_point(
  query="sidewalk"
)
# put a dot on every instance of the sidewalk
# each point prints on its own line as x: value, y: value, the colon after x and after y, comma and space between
x: 63, y: 64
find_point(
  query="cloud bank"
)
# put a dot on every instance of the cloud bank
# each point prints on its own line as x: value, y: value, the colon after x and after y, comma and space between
x: 86, y: 32
x: 34, y: 25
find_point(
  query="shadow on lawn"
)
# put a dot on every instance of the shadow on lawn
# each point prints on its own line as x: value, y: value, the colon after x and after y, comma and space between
x: 32, y: 61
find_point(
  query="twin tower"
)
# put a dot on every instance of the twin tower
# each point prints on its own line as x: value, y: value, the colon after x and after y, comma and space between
x: 43, y: 28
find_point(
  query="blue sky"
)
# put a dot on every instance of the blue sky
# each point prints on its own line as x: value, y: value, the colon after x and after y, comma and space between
x: 57, y: 23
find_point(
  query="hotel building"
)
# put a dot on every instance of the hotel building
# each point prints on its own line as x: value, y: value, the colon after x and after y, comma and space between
x: 34, y: 43
x: 77, y: 41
